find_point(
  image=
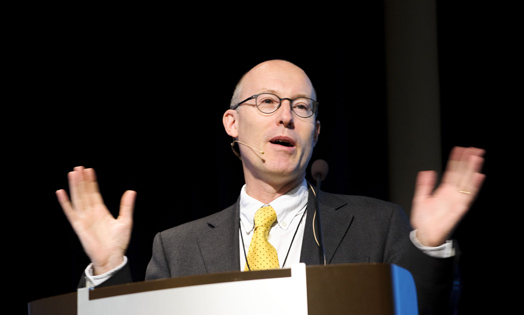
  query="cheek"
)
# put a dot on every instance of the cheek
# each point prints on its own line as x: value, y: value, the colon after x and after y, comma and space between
x: 252, y: 130
x: 248, y: 131
x: 308, y: 143
x: 244, y: 129
x: 310, y: 136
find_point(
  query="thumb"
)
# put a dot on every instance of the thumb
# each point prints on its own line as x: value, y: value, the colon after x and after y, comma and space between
x: 127, y: 204
x: 424, y: 184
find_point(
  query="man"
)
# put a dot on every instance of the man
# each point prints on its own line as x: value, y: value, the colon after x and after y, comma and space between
x: 273, y: 120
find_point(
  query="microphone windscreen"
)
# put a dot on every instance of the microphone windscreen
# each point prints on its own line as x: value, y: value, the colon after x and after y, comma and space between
x: 319, y: 168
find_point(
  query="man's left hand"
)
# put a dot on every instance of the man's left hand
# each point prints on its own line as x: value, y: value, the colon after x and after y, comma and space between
x: 435, y: 213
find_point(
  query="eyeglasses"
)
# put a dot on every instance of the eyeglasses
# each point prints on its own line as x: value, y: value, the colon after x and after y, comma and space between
x: 268, y: 103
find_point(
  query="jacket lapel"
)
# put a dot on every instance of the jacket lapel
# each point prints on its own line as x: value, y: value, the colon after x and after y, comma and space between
x: 219, y: 245
x: 335, y: 224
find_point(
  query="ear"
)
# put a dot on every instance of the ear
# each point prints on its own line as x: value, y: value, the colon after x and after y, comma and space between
x: 230, y: 121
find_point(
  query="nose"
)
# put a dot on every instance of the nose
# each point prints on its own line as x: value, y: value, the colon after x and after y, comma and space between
x: 285, y: 114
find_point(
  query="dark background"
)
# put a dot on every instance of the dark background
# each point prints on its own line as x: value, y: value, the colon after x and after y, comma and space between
x: 140, y: 98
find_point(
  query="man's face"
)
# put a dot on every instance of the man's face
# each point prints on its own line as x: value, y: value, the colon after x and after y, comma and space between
x: 286, y: 139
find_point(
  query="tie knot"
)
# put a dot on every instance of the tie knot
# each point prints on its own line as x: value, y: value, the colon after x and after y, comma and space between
x: 265, y: 217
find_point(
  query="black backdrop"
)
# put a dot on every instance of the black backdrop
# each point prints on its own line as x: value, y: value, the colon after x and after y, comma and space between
x: 143, y: 104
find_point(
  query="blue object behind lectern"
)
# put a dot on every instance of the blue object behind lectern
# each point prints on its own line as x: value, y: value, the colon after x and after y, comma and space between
x: 404, y: 291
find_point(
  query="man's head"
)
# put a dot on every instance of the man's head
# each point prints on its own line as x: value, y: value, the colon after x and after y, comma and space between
x: 286, y: 138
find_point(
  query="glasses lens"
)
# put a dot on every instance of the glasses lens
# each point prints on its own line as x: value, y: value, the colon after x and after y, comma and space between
x: 267, y: 103
x: 303, y: 107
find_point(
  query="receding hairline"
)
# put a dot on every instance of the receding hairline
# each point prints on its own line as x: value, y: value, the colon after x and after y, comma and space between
x: 235, y: 99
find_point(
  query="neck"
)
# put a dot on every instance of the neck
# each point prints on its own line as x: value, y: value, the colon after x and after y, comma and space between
x: 266, y: 192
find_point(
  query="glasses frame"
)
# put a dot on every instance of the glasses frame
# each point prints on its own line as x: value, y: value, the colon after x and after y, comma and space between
x: 314, y: 112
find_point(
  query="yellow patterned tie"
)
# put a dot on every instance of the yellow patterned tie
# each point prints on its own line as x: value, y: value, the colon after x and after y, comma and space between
x: 262, y: 255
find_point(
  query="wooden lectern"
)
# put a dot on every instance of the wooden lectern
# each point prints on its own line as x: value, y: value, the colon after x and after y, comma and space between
x: 335, y: 289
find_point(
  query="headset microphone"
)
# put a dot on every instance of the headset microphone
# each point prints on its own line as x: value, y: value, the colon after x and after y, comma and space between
x: 247, y: 145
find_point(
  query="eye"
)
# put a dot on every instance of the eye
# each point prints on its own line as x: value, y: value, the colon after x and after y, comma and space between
x: 267, y: 100
x: 302, y: 105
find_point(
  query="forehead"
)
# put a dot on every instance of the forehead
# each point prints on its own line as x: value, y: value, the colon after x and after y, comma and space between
x: 279, y: 77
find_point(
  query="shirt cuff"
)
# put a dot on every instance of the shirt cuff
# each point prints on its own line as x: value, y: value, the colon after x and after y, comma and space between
x: 445, y: 250
x: 93, y: 281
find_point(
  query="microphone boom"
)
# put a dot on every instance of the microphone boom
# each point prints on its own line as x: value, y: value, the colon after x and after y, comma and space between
x: 247, y: 145
x: 319, y: 170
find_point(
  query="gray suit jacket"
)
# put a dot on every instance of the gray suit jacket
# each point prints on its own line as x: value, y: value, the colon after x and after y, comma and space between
x: 355, y: 229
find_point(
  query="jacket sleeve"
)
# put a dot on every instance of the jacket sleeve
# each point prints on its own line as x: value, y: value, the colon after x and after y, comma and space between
x: 433, y: 276
x: 121, y: 276
x: 158, y: 266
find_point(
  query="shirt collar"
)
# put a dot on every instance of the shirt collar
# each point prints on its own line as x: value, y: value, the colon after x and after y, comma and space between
x: 287, y: 207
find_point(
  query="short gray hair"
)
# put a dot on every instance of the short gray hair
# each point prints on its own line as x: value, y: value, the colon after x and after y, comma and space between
x: 236, y: 94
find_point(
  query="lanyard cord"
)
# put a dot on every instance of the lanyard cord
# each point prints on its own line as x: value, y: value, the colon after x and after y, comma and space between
x: 289, y: 249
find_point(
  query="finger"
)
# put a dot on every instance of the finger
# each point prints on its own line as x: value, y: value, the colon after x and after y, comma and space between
x: 467, y: 154
x: 477, y: 151
x: 91, y: 187
x: 424, y: 184
x: 471, y: 178
x: 455, y: 156
x: 458, y: 163
x: 63, y: 199
x: 465, y: 157
x: 478, y: 180
x: 127, y: 205
x: 76, y: 188
x: 83, y: 189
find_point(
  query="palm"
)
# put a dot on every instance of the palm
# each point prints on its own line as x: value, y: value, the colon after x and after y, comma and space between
x: 103, y: 237
x: 101, y: 234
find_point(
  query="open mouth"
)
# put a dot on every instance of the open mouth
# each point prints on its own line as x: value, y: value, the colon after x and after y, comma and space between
x: 283, y: 141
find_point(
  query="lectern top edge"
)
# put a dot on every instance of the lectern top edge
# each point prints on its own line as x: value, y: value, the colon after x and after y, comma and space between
x: 152, y: 285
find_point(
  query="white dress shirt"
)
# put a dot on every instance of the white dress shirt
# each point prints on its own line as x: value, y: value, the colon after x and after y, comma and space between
x: 290, y: 209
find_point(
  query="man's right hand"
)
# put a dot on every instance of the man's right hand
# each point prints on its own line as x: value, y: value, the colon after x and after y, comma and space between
x: 104, y: 238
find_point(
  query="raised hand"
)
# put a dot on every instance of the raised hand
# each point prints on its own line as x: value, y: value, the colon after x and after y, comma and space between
x: 435, y: 213
x: 104, y: 238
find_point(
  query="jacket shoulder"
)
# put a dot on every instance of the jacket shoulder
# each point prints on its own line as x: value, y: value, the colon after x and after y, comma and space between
x: 199, y: 225
x: 357, y: 203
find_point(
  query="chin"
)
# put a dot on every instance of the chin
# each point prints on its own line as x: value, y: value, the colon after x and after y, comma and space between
x: 284, y: 168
